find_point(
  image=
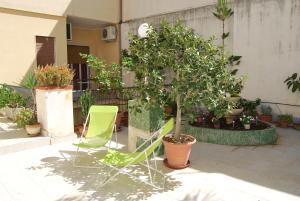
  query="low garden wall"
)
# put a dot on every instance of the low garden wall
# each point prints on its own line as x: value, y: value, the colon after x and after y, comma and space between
x: 233, y: 137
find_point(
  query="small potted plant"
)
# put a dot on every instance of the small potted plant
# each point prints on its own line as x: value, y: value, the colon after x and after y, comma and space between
x: 284, y: 120
x: 266, y: 113
x: 216, y: 122
x: 26, y: 118
x: 246, y: 120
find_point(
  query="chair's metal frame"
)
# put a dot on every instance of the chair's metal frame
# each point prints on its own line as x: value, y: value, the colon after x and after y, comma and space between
x: 147, y: 165
x: 114, y: 130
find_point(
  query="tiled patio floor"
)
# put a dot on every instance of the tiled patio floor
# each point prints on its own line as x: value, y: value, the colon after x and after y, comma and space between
x: 217, y: 173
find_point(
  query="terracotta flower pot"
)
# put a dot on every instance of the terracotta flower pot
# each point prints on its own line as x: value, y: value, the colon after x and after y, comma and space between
x: 178, y: 154
x: 168, y: 110
x: 33, y: 130
x: 283, y: 124
x: 265, y: 118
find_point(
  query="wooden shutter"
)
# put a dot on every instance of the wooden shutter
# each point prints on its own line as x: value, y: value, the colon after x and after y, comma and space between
x: 45, y: 50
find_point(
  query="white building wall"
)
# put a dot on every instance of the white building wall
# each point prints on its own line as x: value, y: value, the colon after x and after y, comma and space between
x: 265, y: 32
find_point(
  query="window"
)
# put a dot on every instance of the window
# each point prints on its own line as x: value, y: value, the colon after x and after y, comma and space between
x: 45, y: 50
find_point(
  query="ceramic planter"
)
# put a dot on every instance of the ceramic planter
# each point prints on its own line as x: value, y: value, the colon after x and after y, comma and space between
x: 33, y: 130
x: 236, y: 112
x: 235, y: 99
x: 178, y: 154
x: 229, y: 119
x: 247, y: 126
x: 265, y: 118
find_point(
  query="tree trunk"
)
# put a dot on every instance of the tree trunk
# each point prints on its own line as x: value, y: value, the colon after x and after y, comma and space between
x: 178, y: 118
x: 223, y: 39
x: 178, y: 115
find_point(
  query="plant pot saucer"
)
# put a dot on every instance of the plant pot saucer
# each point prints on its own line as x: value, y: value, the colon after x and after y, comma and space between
x: 176, y: 168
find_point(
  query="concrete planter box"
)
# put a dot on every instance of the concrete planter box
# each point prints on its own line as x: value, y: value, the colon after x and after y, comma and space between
x: 55, y: 111
x: 143, y: 124
x: 233, y: 137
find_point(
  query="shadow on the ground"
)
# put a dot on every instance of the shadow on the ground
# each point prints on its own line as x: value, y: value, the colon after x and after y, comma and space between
x: 271, y: 166
x: 9, y: 130
x: 122, y: 188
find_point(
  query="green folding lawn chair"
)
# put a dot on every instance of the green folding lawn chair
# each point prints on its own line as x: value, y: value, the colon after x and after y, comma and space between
x: 120, y: 161
x: 101, y: 127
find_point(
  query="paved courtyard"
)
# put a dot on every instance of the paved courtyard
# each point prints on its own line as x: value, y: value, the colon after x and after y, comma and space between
x: 216, y: 173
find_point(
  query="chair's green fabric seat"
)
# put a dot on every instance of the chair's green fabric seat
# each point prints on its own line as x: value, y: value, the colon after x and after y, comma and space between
x: 93, y: 142
x: 121, y: 159
x: 117, y: 158
x: 101, y: 124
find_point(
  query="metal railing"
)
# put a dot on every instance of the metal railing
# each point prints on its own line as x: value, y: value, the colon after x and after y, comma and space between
x: 117, y: 97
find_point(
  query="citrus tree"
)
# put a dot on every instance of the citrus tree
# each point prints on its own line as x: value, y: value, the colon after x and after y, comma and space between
x: 199, y: 72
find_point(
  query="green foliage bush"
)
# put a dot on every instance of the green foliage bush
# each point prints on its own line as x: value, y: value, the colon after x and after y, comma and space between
x: 250, y: 106
x: 57, y: 76
x: 25, y: 117
x: 10, y: 98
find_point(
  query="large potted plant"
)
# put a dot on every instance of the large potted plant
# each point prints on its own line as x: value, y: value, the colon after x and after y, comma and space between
x: 54, y: 100
x: 27, y: 118
x: 200, y: 78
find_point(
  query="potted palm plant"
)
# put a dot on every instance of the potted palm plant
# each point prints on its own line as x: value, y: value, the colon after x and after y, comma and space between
x: 27, y: 118
x: 200, y: 78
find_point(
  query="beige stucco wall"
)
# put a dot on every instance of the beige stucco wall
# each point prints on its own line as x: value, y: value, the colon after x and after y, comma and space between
x: 103, y: 10
x: 135, y: 9
x: 108, y: 51
x: 266, y: 33
x: 18, y: 42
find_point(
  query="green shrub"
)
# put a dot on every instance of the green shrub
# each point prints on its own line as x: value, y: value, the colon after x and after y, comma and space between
x: 250, y: 106
x: 58, y: 76
x: 4, y: 95
x: 25, y: 117
x: 286, y: 117
x: 10, y: 98
x: 106, y: 76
